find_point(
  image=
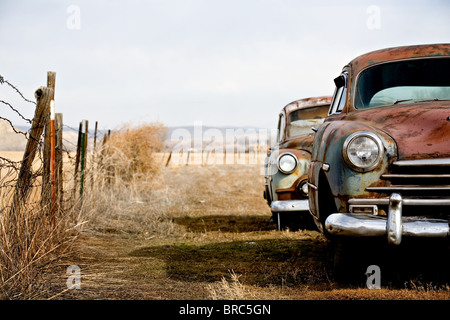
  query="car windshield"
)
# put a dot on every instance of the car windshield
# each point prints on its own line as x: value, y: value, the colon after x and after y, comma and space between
x: 409, y: 80
x: 301, y: 121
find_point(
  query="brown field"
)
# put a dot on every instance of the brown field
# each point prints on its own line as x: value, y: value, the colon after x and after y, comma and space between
x: 203, y: 232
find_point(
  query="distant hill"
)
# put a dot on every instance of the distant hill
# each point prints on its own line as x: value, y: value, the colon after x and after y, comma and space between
x: 10, y: 140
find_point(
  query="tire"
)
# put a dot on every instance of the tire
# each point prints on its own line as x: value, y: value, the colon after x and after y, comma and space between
x: 326, y: 205
x: 350, y: 260
x: 294, y: 221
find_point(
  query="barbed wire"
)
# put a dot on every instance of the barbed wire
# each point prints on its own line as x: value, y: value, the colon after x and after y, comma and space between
x: 16, y: 111
x: 10, y: 169
x: 2, y: 81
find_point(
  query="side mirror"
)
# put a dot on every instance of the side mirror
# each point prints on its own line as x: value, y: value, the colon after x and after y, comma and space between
x: 339, y: 81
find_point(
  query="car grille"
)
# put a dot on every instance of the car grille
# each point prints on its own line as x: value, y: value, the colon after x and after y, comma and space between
x: 423, y: 182
x: 429, y: 178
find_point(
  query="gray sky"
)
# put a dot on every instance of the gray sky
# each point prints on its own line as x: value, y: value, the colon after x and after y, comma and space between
x: 221, y: 62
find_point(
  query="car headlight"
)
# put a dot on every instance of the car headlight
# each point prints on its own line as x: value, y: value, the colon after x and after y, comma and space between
x: 287, y: 162
x: 303, y: 188
x: 363, y: 151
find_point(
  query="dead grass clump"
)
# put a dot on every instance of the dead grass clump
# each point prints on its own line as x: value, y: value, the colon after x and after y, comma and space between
x: 130, y: 150
x: 122, y: 198
x: 29, y: 244
x: 231, y: 289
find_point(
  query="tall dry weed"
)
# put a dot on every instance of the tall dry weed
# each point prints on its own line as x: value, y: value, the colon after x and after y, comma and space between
x: 29, y: 244
x: 231, y: 289
x: 122, y: 197
x: 130, y: 150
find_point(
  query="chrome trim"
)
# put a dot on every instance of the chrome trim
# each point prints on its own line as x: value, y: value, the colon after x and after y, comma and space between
x: 289, y: 205
x: 408, y: 188
x: 406, y: 202
x: 366, y: 225
x: 312, y: 186
x: 423, y: 162
x: 415, y: 176
x: 394, y: 225
x: 355, y: 225
x: 373, y: 208
x: 426, y: 228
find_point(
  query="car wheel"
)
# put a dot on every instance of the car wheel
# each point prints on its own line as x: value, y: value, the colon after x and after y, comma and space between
x: 326, y: 205
x: 350, y: 260
x: 294, y: 221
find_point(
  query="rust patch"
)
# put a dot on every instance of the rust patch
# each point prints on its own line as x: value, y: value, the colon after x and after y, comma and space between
x: 414, y: 141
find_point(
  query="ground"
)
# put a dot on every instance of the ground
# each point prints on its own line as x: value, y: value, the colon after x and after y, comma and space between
x: 217, y: 242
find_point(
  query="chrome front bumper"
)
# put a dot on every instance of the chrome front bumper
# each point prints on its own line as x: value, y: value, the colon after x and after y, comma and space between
x: 289, y: 205
x: 394, y: 226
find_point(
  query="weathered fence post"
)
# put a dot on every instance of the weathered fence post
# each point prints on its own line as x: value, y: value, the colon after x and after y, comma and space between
x: 168, y: 159
x: 59, y: 161
x: 94, y: 154
x: 95, y: 136
x: 84, y: 141
x: 46, y: 183
x: 77, y: 160
x: 43, y: 96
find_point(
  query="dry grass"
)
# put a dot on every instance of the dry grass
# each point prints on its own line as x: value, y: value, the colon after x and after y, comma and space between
x: 29, y: 242
x: 31, y: 245
x: 231, y: 289
x: 125, y: 184
x: 199, y: 232
x: 213, y: 240
x: 130, y: 151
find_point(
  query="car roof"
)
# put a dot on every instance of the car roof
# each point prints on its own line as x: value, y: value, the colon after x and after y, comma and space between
x: 307, y: 103
x: 398, y: 53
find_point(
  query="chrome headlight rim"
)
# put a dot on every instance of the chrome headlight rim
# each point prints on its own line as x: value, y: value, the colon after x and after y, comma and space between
x: 303, y: 188
x: 287, y: 154
x: 358, y: 134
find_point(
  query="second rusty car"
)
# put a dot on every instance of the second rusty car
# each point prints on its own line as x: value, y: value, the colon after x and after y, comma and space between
x: 380, y: 163
x: 286, y: 166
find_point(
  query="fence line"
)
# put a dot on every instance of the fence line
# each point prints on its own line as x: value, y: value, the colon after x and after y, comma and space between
x: 40, y: 171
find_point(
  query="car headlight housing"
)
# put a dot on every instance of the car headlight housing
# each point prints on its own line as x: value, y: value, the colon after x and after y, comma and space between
x: 303, y: 188
x: 363, y: 151
x: 287, y: 163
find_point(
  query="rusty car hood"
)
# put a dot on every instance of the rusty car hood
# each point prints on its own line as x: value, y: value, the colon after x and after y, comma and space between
x: 421, y: 130
x: 300, y: 143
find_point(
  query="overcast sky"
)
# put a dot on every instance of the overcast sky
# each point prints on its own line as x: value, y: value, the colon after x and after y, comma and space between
x: 221, y: 62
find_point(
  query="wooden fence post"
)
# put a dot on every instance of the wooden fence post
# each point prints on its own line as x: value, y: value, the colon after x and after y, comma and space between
x: 168, y: 159
x: 84, y: 141
x: 46, y: 183
x: 95, y: 136
x: 77, y: 159
x: 94, y: 154
x: 59, y: 159
x: 43, y: 96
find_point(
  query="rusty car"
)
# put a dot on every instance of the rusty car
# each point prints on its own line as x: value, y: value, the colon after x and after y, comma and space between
x: 380, y: 163
x: 286, y: 165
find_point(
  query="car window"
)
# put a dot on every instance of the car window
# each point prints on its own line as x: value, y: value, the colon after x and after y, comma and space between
x: 417, y: 79
x: 301, y: 121
x: 340, y: 93
x: 281, y: 127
